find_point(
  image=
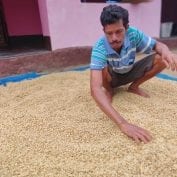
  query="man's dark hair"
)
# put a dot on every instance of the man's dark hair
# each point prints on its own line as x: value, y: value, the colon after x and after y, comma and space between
x: 112, y: 14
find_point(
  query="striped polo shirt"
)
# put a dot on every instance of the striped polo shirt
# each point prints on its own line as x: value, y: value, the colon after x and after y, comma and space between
x: 135, y: 42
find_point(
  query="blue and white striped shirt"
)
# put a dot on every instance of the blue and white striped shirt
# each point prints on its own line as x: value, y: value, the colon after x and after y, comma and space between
x: 135, y: 42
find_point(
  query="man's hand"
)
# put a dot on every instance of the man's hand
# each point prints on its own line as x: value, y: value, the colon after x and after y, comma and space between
x: 170, y: 60
x: 136, y: 133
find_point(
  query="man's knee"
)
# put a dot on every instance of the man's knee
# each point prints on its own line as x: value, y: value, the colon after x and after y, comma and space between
x: 106, y: 75
x: 106, y: 78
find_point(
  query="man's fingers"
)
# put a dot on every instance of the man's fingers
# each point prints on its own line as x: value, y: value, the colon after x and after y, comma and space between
x: 175, y: 62
x: 166, y: 64
x: 137, y: 140
x: 140, y: 138
x: 143, y: 138
x: 170, y: 61
x: 146, y: 134
x: 146, y: 137
x: 143, y: 134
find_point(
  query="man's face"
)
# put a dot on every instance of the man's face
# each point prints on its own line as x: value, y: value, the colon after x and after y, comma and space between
x: 115, y: 34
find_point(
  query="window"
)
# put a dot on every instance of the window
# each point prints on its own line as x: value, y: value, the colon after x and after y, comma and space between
x: 99, y: 1
x: 123, y: 1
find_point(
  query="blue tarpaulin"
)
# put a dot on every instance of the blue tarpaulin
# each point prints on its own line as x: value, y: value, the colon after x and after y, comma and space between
x: 166, y: 76
x: 32, y: 75
x: 19, y: 77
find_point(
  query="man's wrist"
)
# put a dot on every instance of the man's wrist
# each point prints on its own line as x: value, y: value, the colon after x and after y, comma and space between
x: 122, y: 122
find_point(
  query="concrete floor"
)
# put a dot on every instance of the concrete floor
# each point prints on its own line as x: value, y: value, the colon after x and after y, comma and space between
x: 6, y: 54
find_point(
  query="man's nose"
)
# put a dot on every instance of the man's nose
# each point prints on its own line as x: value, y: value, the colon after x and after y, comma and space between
x: 114, y: 37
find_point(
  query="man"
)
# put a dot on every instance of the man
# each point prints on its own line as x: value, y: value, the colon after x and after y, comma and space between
x: 112, y: 65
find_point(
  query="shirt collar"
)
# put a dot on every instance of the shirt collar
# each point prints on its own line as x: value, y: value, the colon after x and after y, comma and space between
x: 110, y: 50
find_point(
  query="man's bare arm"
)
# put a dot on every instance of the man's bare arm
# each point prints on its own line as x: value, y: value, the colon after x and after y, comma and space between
x: 101, y: 98
x: 97, y: 92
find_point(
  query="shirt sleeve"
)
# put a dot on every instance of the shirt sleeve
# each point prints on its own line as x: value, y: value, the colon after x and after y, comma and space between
x: 144, y: 43
x: 98, y: 58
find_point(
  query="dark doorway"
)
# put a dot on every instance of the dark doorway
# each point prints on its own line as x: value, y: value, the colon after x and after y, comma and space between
x: 169, y: 18
x: 3, y: 29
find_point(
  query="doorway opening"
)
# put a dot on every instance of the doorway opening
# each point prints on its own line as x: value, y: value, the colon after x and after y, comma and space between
x: 168, y: 19
x: 3, y: 29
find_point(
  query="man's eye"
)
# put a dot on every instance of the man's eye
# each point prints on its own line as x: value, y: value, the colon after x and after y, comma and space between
x: 120, y: 31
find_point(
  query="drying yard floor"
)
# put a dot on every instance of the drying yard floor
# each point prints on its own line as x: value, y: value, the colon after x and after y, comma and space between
x: 51, y: 127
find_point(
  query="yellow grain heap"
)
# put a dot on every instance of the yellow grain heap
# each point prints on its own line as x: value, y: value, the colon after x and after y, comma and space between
x: 51, y: 127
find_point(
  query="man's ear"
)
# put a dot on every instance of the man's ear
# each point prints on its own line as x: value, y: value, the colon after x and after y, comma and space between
x: 127, y: 26
x: 103, y: 29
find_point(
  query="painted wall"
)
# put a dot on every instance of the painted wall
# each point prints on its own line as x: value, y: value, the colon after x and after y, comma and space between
x: 73, y: 23
x: 22, y: 17
x: 44, y: 17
